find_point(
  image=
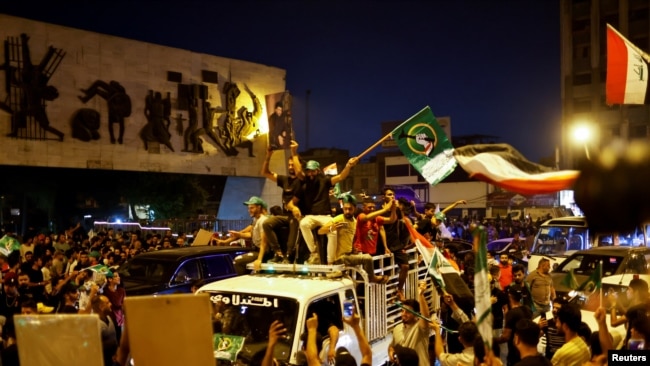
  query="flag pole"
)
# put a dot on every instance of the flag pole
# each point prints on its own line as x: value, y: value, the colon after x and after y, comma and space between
x: 645, y: 56
x: 375, y: 145
x: 600, y: 280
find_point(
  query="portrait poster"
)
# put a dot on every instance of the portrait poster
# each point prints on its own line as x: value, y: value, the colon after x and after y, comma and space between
x: 278, y: 106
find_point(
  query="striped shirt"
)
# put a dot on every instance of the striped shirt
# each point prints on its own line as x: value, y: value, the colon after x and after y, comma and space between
x: 573, y: 353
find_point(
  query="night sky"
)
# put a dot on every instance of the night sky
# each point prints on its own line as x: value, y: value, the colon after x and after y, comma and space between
x: 492, y: 66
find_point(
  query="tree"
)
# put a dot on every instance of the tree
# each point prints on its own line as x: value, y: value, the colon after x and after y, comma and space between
x: 168, y: 195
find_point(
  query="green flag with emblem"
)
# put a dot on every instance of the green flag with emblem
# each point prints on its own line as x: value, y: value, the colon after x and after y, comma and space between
x: 594, y: 282
x: 425, y: 145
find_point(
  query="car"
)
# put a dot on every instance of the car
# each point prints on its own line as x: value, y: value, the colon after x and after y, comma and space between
x: 499, y: 245
x: 174, y: 270
x: 624, y: 261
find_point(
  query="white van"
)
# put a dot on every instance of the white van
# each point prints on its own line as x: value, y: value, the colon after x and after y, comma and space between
x: 558, y: 238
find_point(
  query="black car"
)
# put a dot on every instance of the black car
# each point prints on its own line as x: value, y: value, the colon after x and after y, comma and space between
x: 174, y: 270
x: 616, y: 260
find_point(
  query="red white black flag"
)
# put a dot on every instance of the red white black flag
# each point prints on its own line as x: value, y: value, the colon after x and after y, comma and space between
x: 627, y: 71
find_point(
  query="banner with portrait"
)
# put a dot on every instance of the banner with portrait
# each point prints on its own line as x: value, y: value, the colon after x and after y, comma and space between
x: 278, y: 106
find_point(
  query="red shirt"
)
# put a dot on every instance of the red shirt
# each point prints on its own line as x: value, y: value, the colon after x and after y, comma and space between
x: 506, y: 276
x: 367, y: 233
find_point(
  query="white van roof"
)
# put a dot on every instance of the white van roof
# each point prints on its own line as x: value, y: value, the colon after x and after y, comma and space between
x: 292, y: 286
x: 567, y: 221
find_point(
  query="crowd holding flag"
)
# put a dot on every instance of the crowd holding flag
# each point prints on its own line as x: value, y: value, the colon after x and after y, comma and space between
x: 432, y: 256
x: 627, y: 71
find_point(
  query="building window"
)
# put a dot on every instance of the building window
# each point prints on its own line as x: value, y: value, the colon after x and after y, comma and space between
x: 582, y: 79
x: 364, y: 182
x: 397, y: 170
x: 581, y: 105
x: 638, y: 131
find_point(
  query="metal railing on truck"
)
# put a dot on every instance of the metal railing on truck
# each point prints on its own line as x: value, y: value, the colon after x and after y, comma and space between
x: 378, y: 301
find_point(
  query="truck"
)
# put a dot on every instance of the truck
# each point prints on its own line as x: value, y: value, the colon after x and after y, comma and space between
x: 245, y: 306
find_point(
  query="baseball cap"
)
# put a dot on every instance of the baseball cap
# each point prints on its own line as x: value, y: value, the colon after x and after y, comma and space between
x: 43, y: 309
x: 312, y: 165
x: 344, y: 358
x: 406, y: 356
x: 254, y: 200
x: 94, y: 254
x: 10, y: 279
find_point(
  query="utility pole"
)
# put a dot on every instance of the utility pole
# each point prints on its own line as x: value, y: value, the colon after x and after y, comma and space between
x: 308, y: 92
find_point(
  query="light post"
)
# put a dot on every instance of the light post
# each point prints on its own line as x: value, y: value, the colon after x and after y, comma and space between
x: 583, y: 133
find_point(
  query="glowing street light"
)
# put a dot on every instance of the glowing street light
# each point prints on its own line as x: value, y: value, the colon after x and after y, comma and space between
x: 583, y: 133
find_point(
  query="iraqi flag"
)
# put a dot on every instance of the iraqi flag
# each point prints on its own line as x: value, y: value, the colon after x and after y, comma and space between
x: 503, y: 166
x: 445, y: 276
x: 627, y: 71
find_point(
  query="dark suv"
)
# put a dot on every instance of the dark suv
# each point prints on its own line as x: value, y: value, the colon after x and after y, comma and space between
x: 174, y: 270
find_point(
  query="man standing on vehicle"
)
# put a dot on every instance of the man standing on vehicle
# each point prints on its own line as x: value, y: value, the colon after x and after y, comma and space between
x: 541, y: 287
x: 257, y: 210
x: 344, y: 226
x: 315, y: 194
x: 397, y: 237
x: 413, y: 332
x: 370, y: 224
x: 290, y: 185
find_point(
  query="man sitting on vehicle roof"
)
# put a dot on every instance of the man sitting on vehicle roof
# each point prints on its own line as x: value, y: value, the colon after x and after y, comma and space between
x: 257, y: 210
x: 344, y: 226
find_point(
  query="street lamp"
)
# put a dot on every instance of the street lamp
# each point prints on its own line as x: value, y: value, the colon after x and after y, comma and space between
x: 583, y: 133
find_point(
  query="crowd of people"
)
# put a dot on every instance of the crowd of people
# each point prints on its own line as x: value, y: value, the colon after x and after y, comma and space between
x: 56, y: 274
x: 71, y: 273
x: 524, y: 305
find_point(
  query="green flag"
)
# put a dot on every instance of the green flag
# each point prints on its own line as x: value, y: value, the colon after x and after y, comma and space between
x: 8, y: 244
x: 426, y: 146
x: 482, y: 292
x: 570, y: 280
x: 592, y: 283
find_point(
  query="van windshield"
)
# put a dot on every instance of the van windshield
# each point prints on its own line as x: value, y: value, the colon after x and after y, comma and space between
x: 243, y: 319
x: 559, y: 239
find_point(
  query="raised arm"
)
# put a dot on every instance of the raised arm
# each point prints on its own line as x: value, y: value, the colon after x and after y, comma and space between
x: 364, y: 346
x: 604, y: 337
x: 383, y: 210
x: 265, y: 167
x: 346, y: 171
x: 311, y: 351
x: 450, y: 207
x: 297, y: 167
x: 424, y: 305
